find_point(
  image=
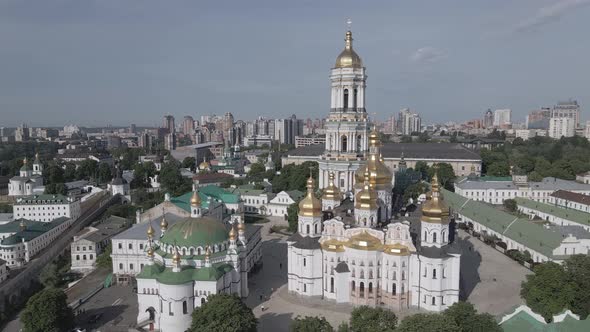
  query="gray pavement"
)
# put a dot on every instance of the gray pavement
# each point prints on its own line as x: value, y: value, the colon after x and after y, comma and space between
x: 117, y: 307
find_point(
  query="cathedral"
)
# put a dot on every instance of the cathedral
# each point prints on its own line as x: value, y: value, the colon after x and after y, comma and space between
x: 347, y: 248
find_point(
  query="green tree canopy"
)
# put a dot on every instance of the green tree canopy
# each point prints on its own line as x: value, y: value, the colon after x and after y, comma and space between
x: 428, y: 322
x: 368, y: 319
x: 48, y: 311
x: 468, y: 320
x: 87, y: 169
x: 56, y: 188
x: 446, y: 175
x: 104, y: 260
x: 172, y: 181
x: 310, y: 324
x: 293, y: 216
x: 547, y: 291
x: 577, y: 269
x: 190, y: 163
x: 510, y: 205
x: 423, y: 168
x: 105, y: 174
x: 223, y: 312
x: 50, y: 276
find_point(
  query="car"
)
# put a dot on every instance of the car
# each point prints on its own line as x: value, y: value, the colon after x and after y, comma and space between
x: 94, y: 318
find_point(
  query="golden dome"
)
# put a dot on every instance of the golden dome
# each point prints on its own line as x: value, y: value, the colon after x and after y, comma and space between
x: 150, y: 231
x: 396, y: 249
x: 434, y: 209
x: 348, y: 57
x: 310, y: 206
x: 379, y: 175
x: 332, y: 192
x: 204, y: 165
x: 208, y: 252
x: 163, y: 223
x: 241, y: 226
x: 366, y: 199
x: 364, y: 241
x: 232, y: 234
x: 176, y: 257
x: 150, y: 252
x: 333, y: 245
x: 195, y: 199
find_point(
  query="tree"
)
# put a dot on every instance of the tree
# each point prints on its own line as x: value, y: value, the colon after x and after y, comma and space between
x: 223, y: 312
x: 547, y: 291
x: 534, y: 176
x: 423, y: 168
x: 293, y: 216
x: 406, y: 139
x: 257, y: 172
x: 190, y: 163
x: 50, y: 276
x: 365, y: 318
x: 423, y: 137
x: 48, y: 311
x: 56, y: 188
x: 87, y: 169
x: 310, y: 324
x: 446, y: 175
x: 104, y: 260
x: 172, y: 181
x: 500, y: 168
x: 468, y: 320
x: 415, y: 190
x: 70, y: 172
x: 54, y: 174
x: 104, y: 173
x: 510, y: 205
x: 428, y: 322
x: 577, y: 268
x: 343, y: 327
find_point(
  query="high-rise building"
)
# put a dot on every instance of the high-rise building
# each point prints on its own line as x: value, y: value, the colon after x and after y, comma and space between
x: 538, y: 119
x: 285, y: 130
x: 169, y: 124
x: 170, y: 142
x: 22, y: 133
x: 133, y: 128
x: 188, y: 125
x: 502, y: 118
x: 228, y: 121
x: 408, y: 122
x: 567, y: 109
x: 488, y: 119
x: 562, y: 127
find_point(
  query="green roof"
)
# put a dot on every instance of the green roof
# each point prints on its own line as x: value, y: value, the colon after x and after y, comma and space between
x: 195, y: 232
x: 164, y: 254
x: 567, y: 214
x: 206, y: 192
x: 296, y: 195
x: 248, y: 190
x: 32, y: 230
x: 185, y: 275
x: 522, y: 321
x: 522, y: 230
x: 495, y: 178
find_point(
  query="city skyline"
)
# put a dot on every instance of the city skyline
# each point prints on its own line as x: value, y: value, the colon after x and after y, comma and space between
x: 117, y: 63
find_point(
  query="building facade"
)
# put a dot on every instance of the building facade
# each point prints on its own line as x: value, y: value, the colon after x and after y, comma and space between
x: 562, y: 127
x: 46, y: 207
x: 29, y: 181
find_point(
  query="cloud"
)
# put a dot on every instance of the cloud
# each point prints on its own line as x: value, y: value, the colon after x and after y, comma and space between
x: 427, y: 54
x: 551, y: 13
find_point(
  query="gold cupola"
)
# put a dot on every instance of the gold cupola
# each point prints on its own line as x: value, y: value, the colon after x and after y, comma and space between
x: 204, y: 165
x: 150, y: 231
x: 379, y: 175
x: 241, y: 226
x: 310, y: 206
x: 331, y: 192
x: 195, y: 199
x: 434, y: 209
x: 176, y: 256
x: 366, y: 199
x: 150, y: 252
x: 348, y: 57
x: 232, y: 234
x: 163, y: 223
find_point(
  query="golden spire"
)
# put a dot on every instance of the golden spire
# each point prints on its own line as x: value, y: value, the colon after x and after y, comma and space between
x: 150, y: 252
x: 366, y: 198
x: 195, y: 198
x: 332, y: 192
x: 348, y: 57
x: 310, y: 206
x: 163, y: 223
x: 208, y: 252
x: 232, y: 234
x: 241, y: 226
x: 176, y: 256
x: 150, y: 231
x: 435, y: 210
x: 379, y: 175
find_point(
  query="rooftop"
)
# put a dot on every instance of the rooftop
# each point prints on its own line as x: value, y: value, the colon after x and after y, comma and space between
x: 563, y: 213
x: 32, y: 230
x: 42, y: 199
x: 548, y: 183
x: 571, y: 196
x: 104, y: 230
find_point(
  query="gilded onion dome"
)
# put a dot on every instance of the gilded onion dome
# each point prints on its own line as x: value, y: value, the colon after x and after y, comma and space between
x: 195, y: 199
x: 241, y: 226
x: 434, y: 209
x: 150, y: 252
x: 208, y: 252
x: 331, y: 192
x: 204, y: 165
x: 150, y: 231
x: 379, y: 175
x: 232, y: 234
x: 163, y: 223
x: 310, y: 206
x: 366, y: 199
x: 364, y: 241
x: 176, y: 256
x: 348, y: 57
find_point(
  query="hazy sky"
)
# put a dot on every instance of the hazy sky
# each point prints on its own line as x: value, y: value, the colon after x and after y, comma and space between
x: 117, y: 62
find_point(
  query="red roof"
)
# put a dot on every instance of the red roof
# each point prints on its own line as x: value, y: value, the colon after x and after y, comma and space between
x: 571, y: 196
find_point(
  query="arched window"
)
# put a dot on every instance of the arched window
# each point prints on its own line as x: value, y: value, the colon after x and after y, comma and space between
x: 403, y: 275
x: 355, y: 98
x: 362, y: 274
x: 359, y: 141
x: 345, y: 104
x: 304, y: 262
x: 353, y: 285
x: 370, y: 274
x: 184, y: 308
x: 403, y: 288
x: 393, y: 289
x: 202, y: 300
x: 199, y: 251
x: 425, y: 236
x: 332, y: 285
x: 362, y: 289
x: 370, y: 288
x: 307, y: 229
x: 433, y: 300
x: 315, y: 228
x: 192, y: 251
x: 434, y: 237
x: 443, y: 236
x: 433, y: 273
x: 344, y: 143
x: 183, y: 251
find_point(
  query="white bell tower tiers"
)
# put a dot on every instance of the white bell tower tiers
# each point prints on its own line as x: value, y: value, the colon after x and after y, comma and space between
x: 347, y: 126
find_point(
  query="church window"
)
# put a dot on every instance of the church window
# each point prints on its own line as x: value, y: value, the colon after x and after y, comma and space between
x: 307, y: 229
x: 443, y: 236
x: 199, y: 251
x: 403, y: 288
x: 332, y: 285
x: 425, y: 271
x: 370, y: 274
x: 403, y: 275
x: 362, y: 289
x: 184, y: 308
x: 353, y: 285
x: 362, y: 274
x: 345, y: 99
x: 370, y: 288
x: 344, y: 143
x: 120, y: 266
x: 315, y: 228
x: 393, y: 289
x: 424, y: 299
x: 433, y: 300
x: 304, y: 262
x: 425, y: 236
x: 355, y: 98
x: 359, y: 141
x: 404, y: 264
x: 394, y: 275
x: 433, y: 273
x: 304, y: 288
x: 202, y: 300
x: 170, y: 309
x: 434, y: 237
x: 444, y: 273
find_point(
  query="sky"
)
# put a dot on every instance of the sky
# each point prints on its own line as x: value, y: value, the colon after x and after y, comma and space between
x: 101, y: 62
